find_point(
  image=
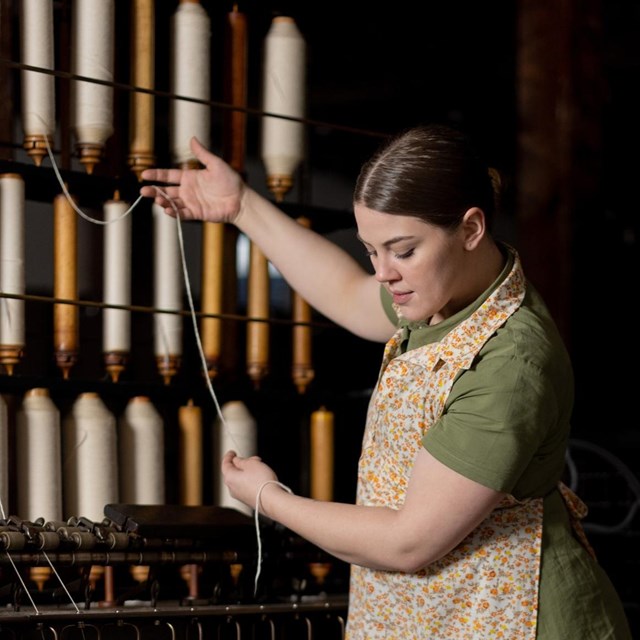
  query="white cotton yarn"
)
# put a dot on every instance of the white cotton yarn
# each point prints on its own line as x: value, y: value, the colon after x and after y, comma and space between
x: 116, y: 328
x: 141, y: 453
x: 239, y: 433
x: 38, y: 457
x: 12, y: 259
x: 37, y: 50
x: 167, y: 288
x: 190, y: 77
x: 93, y: 38
x: 284, y: 93
x: 90, y: 458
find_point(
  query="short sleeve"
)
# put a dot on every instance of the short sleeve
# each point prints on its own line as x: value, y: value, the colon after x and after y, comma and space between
x: 497, y: 427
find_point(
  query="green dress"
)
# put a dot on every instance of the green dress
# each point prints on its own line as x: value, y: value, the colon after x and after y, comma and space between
x: 506, y: 425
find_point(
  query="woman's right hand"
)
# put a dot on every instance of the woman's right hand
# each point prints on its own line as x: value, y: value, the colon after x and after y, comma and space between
x: 213, y: 193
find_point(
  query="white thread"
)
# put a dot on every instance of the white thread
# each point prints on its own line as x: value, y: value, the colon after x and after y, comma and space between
x: 203, y: 359
x: 256, y: 515
x: 44, y: 553
x: 24, y: 586
x: 75, y: 207
x: 4, y: 458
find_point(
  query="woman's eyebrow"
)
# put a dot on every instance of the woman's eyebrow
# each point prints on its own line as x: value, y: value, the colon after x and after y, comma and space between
x: 388, y: 243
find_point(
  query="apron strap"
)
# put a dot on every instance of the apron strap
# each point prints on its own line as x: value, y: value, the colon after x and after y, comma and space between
x: 577, y: 511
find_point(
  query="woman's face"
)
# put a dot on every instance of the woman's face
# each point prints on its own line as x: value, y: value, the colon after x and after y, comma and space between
x: 423, y: 266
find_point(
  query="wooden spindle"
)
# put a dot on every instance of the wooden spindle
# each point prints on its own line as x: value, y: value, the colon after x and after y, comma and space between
x: 190, y: 424
x: 302, y: 368
x: 258, y: 293
x: 142, y: 118
x: 65, y: 287
x: 322, y: 454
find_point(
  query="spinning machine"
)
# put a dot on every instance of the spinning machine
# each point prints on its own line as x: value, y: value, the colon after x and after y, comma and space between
x: 113, y: 520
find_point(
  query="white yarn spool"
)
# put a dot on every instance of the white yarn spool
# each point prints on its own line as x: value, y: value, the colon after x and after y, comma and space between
x: 141, y: 453
x: 38, y: 457
x: 190, y: 77
x: 117, y: 277
x: 90, y: 458
x: 37, y: 50
x: 284, y: 80
x: 239, y: 433
x: 167, y: 291
x: 4, y: 460
x: 93, y: 57
x: 12, y: 206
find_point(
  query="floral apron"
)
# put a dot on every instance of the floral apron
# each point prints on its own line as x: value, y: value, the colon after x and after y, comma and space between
x: 487, y: 587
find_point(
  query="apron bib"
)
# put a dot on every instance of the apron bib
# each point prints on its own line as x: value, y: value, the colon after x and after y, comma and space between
x: 487, y: 587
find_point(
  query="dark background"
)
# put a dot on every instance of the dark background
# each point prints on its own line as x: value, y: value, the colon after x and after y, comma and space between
x: 549, y: 90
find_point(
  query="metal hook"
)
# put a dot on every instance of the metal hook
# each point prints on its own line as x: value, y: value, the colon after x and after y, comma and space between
x: 230, y: 620
x: 272, y: 627
x: 121, y: 623
x: 172, y: 631
x: 81, y: 625
x: 309, y: 628
x: 196, y: 622
x: 41, y: 629
x: 298, y: 618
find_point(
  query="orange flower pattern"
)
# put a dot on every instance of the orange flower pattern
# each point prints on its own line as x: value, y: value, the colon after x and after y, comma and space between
x: 487, y: 587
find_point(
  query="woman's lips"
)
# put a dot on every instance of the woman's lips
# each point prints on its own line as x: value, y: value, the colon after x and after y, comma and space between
x: 401, y: 297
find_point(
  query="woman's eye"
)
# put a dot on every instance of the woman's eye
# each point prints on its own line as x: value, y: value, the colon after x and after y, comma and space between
x: 406, y: 254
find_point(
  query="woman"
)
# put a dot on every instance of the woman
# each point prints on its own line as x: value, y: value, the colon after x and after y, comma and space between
x: 461, y: 527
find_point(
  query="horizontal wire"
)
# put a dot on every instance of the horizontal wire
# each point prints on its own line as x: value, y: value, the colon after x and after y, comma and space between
x: 153, y: 310
x: 173, y: 96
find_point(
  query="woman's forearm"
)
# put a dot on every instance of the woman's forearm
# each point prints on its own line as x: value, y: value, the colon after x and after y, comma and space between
x: 355, y: 534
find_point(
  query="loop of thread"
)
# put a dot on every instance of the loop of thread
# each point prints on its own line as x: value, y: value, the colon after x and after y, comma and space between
x: 74, y: 206
x: 256, y: 514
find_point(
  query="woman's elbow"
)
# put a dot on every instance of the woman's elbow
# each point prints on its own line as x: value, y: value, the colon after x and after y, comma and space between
x: 416, y: 552
x: 413, y: 558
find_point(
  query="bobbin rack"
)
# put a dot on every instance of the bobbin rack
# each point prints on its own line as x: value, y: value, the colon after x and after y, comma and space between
x: 111, y: 559
x: 150, y: 567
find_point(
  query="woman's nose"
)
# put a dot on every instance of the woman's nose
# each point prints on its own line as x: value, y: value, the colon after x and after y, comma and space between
x: 384, y: 272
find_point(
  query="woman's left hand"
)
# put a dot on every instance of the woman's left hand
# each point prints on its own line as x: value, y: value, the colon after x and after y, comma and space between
x: 245, y: 476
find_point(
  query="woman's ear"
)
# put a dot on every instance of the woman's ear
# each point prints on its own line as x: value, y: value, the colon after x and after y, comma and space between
x: 473, y: 227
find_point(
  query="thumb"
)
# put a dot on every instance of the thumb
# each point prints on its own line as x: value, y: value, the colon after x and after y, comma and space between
x: 200, y: 151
